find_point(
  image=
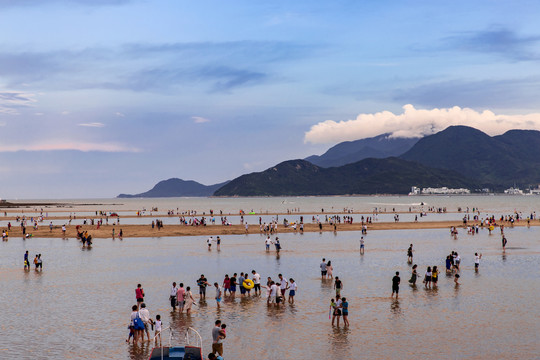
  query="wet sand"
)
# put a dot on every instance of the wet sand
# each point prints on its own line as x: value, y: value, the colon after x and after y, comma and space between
x: 105, y: 231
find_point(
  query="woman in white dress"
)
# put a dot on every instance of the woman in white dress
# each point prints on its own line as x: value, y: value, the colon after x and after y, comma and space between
x: 188, y: 297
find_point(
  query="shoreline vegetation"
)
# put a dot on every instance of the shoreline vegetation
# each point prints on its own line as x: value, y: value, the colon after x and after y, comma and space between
x: 133, y: 231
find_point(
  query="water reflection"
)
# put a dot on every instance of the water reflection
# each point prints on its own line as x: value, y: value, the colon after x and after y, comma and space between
x: 302, y: 330
x: 395, y: 308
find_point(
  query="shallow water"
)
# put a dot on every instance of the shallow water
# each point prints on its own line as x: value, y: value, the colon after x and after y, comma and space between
x: 79, y: 305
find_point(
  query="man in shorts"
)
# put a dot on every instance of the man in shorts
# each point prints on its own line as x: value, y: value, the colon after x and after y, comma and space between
x: 395, y: 285
x: 323, y: 269
x: 202, y: 283
x: 256, y: 282
x: 218, y: 293
x: 217, y: 347
x: 477, y: 261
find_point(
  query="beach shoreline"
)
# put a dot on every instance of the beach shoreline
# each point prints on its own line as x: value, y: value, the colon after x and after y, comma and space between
x: 132, y: 231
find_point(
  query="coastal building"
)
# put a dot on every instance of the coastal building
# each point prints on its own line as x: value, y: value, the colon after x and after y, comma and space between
x: 513, y: 191
x: 438, y: 191
x: 444, y: 191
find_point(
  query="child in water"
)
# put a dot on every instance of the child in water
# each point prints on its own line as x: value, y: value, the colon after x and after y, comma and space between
x: 157, y: 332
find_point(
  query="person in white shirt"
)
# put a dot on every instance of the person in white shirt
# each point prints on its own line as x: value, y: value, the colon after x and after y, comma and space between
x: 477, y: 261
x: 172, y: 296
x: 145, y: 317
x: 256, y: 282
x: 157, y: 333
x: 284, y: 285
x: 267, y: 242
x: 218, y: 293
x: 273, y: 293
x: 209, y: 242
x: 292, y: 290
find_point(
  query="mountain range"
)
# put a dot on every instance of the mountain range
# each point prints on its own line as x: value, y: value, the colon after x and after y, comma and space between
x: 458, y: 156
x: 349, y: 152
x: 369, y: 176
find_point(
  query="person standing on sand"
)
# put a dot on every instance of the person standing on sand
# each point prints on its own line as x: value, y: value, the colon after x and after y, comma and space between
x: 218, y: 243
x: 267, y: 243
x: 361, y: 246
x: 410, y: 254
x: 26, y: 261
x: 504, y: 242
x: 395, y: 285
x: 323, y: 269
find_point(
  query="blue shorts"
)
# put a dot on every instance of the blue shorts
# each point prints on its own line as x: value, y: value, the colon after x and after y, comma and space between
x: 233, y: 288
x: 242, y: 289
x: 292, y: 293
x: 218, y: 299
x: 362, y: 246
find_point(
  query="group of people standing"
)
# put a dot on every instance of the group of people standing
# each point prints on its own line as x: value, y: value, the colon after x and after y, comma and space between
x: 140, y: 320
x: 38, y: 262
x: 338, y: 306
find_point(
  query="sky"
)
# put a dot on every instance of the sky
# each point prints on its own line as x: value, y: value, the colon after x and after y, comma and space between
x: 101, y: 97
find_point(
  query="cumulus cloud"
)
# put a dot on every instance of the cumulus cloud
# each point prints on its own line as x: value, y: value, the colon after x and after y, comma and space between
x: 93, y: 124
x: 63, y: 146
x: 199, y: 119
x: 417, y: 123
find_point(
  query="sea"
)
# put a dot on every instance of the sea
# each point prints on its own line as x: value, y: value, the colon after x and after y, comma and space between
x: 79, y: 305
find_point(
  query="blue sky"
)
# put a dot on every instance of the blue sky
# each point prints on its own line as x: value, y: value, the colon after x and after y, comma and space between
x: 100, y: 97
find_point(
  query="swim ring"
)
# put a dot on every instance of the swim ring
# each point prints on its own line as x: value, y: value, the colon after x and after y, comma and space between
x: 248, y: 284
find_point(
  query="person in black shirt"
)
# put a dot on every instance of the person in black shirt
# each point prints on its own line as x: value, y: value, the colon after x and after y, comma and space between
x: 395, y: 285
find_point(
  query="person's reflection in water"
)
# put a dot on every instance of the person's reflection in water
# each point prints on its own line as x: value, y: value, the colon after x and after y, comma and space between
x: 395, y: 308
x: 503, y: 257
x: 339, y: 341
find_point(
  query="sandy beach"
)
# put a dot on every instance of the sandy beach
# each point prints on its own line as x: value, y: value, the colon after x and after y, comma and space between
x: 105, y: 231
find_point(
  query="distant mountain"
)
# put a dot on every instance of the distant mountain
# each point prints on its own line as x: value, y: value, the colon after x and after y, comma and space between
x: 368, y: 176
x: 177, y: 188
x: 498, y: 161
x: 349, y: 152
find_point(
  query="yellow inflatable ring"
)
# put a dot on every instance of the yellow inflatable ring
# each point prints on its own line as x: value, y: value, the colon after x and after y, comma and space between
x: 248, y: 284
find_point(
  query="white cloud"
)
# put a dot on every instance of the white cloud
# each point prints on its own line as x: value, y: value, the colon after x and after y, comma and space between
x: 200, y: 120
x: 61, y: 145
x: 64, y: 112
x: 119, y: 114
x: 416, y: 123
x: 94, y: 124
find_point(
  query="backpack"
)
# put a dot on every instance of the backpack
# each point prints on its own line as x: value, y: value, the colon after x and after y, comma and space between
x: 138, y: 324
